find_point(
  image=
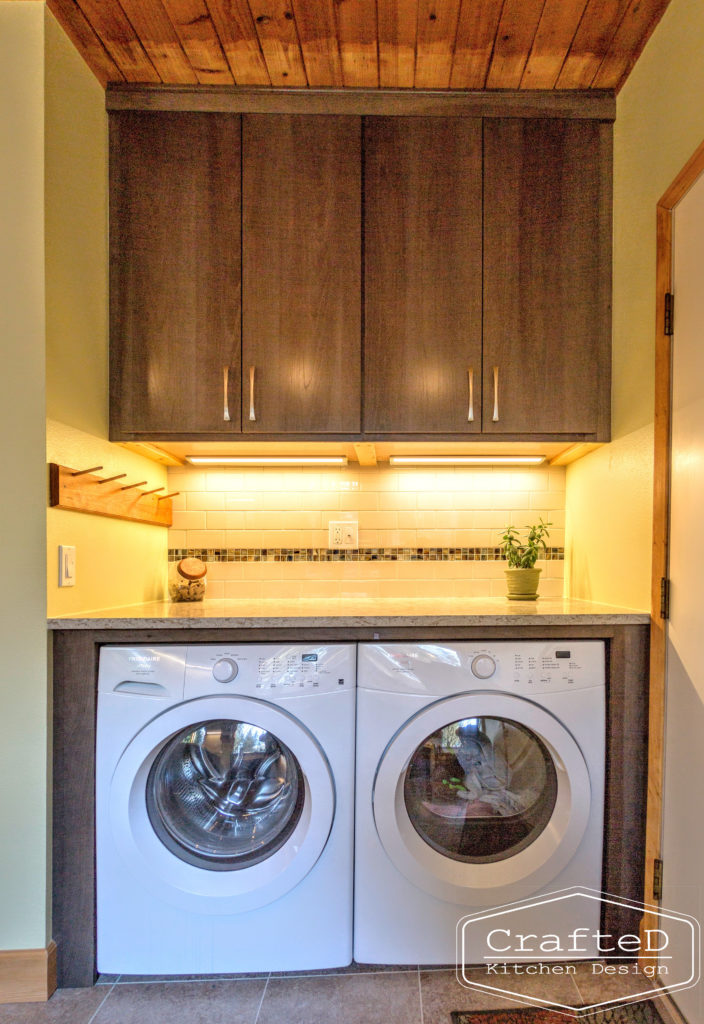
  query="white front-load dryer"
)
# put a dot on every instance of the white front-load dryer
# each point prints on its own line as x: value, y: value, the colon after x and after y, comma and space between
x: 224, y: 808
x: 480, y: 783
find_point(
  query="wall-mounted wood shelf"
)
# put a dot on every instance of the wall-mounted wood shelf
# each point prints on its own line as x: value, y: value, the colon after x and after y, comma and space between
x: 80, y: 490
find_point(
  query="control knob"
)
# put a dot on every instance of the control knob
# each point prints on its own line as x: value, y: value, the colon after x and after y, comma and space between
x: 225, y: 670
x: 483, y: 666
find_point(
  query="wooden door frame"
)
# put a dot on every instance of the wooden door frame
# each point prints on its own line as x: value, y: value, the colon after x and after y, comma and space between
x: 661, y: 516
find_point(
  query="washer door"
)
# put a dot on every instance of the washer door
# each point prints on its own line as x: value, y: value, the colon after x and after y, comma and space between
x: 480, y: 795
x: 222, y: 804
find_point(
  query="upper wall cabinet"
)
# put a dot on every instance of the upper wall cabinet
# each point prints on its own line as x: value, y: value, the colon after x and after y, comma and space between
x: 301, y: 278
x: 174, y: 273
x: 423, y: 275
x: 547, y: 277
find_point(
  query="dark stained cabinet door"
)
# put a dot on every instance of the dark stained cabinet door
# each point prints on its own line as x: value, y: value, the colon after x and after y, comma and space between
x: 547, y: 277
x: 174, y: 273
x: 423, y: 275
x: 301, y: 279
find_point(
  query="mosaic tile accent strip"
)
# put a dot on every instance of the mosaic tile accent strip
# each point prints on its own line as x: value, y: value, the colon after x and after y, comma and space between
x: 351, y: 555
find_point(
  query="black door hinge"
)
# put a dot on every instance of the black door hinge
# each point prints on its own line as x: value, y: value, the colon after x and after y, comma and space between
x: 657, y: 880
x: 669, y: 313
x: 664, y: 598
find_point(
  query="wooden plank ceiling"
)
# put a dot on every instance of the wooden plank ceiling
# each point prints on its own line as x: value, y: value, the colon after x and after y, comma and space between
x: 406, y: 44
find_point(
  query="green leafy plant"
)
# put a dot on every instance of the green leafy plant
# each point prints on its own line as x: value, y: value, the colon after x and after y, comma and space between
x: 453, y: 783
x: 524, y: 555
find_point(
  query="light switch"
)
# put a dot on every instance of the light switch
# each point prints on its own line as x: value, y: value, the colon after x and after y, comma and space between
x: 67, y: 565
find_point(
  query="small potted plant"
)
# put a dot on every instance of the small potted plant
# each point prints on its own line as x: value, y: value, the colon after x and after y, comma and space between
x: 522, y: 576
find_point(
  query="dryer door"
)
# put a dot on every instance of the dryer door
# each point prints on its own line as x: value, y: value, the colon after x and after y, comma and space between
x: 479, y: 796
x: 222, y: 804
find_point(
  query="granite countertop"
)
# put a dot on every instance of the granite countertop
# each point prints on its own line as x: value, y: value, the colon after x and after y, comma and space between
x: 352, y: 611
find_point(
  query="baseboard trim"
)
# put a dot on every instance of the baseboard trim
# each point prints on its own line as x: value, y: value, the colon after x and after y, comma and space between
x: 27, y: 975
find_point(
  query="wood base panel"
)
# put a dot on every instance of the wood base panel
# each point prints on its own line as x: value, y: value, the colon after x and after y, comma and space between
x: 27, y: 975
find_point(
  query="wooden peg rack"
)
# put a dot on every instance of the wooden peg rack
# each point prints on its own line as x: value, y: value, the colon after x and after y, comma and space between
x: 80, y: 490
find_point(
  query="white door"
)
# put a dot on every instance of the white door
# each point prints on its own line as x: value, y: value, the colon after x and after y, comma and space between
x: 683, y: 820
x: 479, y: 794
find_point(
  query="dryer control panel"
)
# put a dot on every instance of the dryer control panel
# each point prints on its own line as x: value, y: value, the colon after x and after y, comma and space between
x: 270, y: 670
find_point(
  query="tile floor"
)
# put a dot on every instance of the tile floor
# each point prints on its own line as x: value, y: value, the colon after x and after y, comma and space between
x: 358, y: 994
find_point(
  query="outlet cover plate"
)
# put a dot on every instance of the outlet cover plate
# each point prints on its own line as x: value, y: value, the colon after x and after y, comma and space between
x: 343, y: 534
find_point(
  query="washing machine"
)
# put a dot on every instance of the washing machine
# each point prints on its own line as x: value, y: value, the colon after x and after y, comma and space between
x: 480, y: 785
x: 224, y: 804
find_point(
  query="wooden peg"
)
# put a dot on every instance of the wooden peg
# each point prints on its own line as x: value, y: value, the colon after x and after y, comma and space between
x: 82, y: 472
x: 153, y: 491
x: 173, y: 494
x: 128, y: 487
x: 118, y: 476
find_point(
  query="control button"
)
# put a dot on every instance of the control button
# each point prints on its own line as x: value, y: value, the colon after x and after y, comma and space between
x: 225, y: 670
x: 483, y: 666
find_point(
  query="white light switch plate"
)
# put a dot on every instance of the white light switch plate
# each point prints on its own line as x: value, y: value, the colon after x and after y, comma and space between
x: 67, y: 565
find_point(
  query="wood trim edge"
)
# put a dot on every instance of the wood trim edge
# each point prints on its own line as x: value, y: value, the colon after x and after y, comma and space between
x: 27, y: 975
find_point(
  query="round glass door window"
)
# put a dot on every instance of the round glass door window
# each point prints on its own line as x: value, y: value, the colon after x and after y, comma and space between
x: 224, y: 794
x: 480, y: 790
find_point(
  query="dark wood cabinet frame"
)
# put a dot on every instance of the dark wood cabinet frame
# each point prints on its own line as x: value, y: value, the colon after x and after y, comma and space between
x: 75, y: 667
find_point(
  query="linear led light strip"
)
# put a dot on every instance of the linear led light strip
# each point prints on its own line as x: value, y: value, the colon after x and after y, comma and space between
x: 341, y: 460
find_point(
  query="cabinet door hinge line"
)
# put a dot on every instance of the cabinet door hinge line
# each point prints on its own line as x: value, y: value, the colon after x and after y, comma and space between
x: 657, y: 880
x: 664, y: 598
x: 669, y: 313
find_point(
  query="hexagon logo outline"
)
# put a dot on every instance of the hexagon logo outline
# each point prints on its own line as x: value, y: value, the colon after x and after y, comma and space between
x: 590, y: 894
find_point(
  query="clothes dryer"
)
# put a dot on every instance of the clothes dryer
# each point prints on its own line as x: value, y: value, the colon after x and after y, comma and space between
x: 480, y: 782
x: 224, y: 803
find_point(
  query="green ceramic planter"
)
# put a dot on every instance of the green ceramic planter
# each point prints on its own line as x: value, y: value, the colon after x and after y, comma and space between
x: 522, y: 584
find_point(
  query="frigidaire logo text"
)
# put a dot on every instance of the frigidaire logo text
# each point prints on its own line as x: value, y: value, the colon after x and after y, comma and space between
x: 141, y: 658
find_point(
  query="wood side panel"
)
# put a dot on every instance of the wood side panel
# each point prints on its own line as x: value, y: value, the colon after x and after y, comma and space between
x: 556, y: 30
x: 317, y: 33
x: 233, y: 23
x: 514, y: 39
x: 159, y: 39
x: 634, y: 31
x: 423, y: 271
x: 301, y: 273
x: 89, y: 45
x: 435, y: 42
x: 591, y: 43
x: 27, y: 975
x: 73, y: 908
x: 474, y: 43
x: 278, y: 38
x: 118, y: 37
x: 397, y: 21
x: 546, y: 271
x: 194, y: 27
x: 586, y: 104
x: 174, y: 272
x: 357, y: 35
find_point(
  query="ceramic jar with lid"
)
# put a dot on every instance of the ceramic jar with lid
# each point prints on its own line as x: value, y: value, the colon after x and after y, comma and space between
x: 187, y: 579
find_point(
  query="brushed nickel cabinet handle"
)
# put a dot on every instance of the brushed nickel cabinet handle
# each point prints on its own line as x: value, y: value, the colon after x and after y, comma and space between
x: 225, y: 382
x: 495, y: 417
x: 470, y: 383
x: 252, y: 415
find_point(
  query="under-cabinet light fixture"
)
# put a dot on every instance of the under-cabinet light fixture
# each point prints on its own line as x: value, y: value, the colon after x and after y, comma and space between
x: 267, y: 460
x: 466, y: 460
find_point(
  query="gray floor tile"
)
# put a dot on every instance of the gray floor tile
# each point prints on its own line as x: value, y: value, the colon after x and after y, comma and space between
x: 207, y: 1002
x: 383, y: 998
x: 442, y: 992
x: 66, y: 1006
x: 149, y: 979
x: 597, y: 987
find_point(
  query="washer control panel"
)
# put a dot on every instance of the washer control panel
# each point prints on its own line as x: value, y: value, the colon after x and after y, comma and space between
x: 270, y: 671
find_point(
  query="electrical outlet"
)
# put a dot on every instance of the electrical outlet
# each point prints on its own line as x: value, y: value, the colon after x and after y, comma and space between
x: 67, y: 565
x: 343, y: 534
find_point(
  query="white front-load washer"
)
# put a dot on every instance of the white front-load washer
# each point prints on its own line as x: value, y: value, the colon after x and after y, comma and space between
x: 224, y: 808
x: 480, y: 783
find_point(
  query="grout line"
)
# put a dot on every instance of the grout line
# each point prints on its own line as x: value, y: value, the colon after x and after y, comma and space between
x: 259, y: 1008
x: 573, y: 979
x: 420, y: 997
x: 110, y: 989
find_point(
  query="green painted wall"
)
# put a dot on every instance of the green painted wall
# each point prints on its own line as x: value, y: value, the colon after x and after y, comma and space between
x: 23, y: 675
x: 659, y: 124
